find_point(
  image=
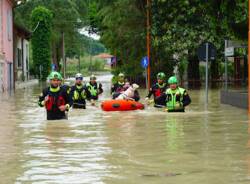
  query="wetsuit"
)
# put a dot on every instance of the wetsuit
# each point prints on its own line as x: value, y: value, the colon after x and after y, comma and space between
x: 157, y: 90
x: 56, y: 98
x: 66, y: 88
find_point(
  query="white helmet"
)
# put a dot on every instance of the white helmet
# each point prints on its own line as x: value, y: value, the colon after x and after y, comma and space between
x: 121, y: 75
x: 78, y: 75
x: 92, y: 77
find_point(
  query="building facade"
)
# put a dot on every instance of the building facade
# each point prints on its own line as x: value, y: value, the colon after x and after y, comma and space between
x: 21, y: 53
x: 6, y: 45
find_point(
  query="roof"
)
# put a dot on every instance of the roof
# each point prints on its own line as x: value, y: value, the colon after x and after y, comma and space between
x: 22, y: 31
x: 104, y: 56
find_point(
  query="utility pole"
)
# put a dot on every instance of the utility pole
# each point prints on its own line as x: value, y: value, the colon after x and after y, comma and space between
x: 248, y: 57
x: 206, y: 88
x: 90, y: 53
x: 148, y: 39
x: 63, y: 56
x: 226, y: 69
x: 79, y: 61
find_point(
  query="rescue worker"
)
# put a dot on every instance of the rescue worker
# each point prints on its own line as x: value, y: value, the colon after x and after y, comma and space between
x: 120, y: 86
x: 94, y: 89
x: 176, y: 98
x: 79, y: 93
x: 55, y: 99
x: 157, y: 90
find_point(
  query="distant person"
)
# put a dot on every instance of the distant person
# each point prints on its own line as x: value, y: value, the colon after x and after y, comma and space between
x: 94, y: 89
x: 157, y: 90
x: 64, y: 85
x: 176, y: 98
x: 79, y: 93
x: 55, y: 99
x: 122, y: 85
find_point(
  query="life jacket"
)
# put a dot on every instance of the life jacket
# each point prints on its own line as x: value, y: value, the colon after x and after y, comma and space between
x: 79, y: 93
x: 120, y: 87
x: 93, y: 91
x: 54, y: 101
x: 159, y: 90
x: 174, y: 96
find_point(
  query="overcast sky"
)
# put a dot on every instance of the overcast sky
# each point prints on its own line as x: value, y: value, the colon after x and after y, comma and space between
x: 85, y: 32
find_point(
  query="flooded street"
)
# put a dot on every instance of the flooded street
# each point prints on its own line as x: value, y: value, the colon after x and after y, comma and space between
x: 135, y: 147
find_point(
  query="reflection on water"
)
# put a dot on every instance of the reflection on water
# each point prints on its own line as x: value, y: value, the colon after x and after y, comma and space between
x: 149, y: 146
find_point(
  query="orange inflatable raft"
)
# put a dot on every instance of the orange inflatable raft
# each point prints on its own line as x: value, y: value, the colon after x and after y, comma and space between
x: 121, y: 105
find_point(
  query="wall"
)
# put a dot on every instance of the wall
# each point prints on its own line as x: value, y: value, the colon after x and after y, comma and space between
x: 7, y: 43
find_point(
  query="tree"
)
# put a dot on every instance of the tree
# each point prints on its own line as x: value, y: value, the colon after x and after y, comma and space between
x: 178, y: 28
x: 121, y: 24
x: 65, y: 19
x: 41, y: 49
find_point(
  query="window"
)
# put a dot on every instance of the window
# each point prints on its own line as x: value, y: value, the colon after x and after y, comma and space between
x: 19, y: 58
x: 27, y: 57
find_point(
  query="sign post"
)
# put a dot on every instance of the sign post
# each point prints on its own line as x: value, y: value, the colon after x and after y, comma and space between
x: 206, y: 52
x: 148, y: 39
x: 206, y: 101
x: 144, y: 64
x: 229, y: 51
x: 53, y: 67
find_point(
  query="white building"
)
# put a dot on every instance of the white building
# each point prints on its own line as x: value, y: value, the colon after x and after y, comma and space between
x: 21, y: 53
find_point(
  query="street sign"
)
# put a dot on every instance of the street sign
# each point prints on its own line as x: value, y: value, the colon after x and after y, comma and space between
x: 201, y: 52
x: 229, y: 51
x: 53, y: 67
x: 113, y: 60
x: 144, y: 62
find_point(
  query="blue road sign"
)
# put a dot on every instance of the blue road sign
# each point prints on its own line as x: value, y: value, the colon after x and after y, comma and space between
x: 144, y: 62
x: 53, y: 67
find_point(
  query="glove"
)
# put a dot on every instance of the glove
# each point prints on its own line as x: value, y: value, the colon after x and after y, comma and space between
x: 147, y: 101
x: 178, y: 105
x: 92, y: 102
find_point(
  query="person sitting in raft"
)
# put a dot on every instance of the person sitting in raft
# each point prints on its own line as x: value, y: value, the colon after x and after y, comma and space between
x: 129, y: 93
x: 54, y: 98
x: 79, y: 93
x: 94, y: 89
x: 175, y: 97
x: 120, y: 86
x: 157, y: 90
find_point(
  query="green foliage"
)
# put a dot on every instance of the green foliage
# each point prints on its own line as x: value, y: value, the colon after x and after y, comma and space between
x: 230, y: 69
x: 177, y: 29
x: 182, y: 67
x: 86, y: 65
x: 68, y: 17
x: 84, y: 45
x: 121, y: 26
x: 240, y: 51
x: 41, y: 20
